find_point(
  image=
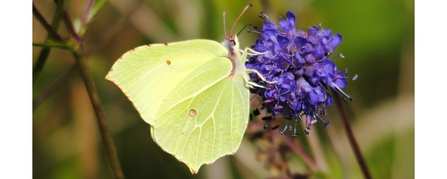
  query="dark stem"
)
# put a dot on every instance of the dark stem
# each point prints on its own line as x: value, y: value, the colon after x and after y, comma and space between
x: 37, y: 101
x: 88, y: 81
x: 41, y: 60
x: 296, y: 147
x: 351, y: 138
x: 100, y: 116
x: 46, y: 25
x: 54, y: 45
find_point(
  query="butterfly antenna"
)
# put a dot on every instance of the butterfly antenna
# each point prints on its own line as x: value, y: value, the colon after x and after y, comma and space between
x: 224, y: 21
x: 246, y: 7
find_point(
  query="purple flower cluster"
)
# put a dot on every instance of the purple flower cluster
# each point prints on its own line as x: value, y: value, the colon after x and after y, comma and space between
x: 299, y: 65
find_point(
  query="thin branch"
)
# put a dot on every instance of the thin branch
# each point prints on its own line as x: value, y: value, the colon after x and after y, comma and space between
x: 100, y: 116
x: 351, y: 138
x: 42, y: 59
x: 54, y: 45
x: 37, y: 101
x: 46, y: 25
x: 89, y: 84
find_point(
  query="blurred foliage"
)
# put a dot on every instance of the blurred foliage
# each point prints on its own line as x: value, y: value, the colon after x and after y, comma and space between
x: 378, y: 42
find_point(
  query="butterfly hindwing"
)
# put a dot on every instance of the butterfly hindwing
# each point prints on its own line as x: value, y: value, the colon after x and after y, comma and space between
x: 205, y: 126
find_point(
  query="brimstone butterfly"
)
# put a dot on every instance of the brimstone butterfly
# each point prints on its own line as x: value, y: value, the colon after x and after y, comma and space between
x: 194, y: 94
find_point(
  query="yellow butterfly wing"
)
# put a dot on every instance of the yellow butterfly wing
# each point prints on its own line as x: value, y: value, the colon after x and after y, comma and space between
x: 197, y: 111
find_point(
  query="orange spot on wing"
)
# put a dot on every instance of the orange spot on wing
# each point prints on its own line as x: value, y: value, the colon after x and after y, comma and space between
x: 192, y: 112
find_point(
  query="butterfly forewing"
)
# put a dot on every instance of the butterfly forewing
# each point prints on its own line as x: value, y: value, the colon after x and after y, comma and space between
x: 148, y: 74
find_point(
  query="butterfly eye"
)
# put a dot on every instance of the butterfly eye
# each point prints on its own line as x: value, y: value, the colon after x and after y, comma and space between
x: 232, y: 43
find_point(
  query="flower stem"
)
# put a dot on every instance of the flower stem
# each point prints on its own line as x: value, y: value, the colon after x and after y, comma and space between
x: 351, y: 138
x: 296, y: 147
x: 53, y: 87
x: 100, y: 116
x: 45, y: 24
x: 53, y: 45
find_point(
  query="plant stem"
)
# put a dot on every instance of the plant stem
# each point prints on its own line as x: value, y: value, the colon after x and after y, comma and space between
x: 54, y: 45
x: 351, y: 138
x: 53, y: 87
x: 83, y: 68
x: 45, y: 24
x: 100, y: 116
x: 296, y: 147
x: 41, y: 60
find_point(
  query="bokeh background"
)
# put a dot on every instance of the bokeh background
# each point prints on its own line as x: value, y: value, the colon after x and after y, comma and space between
x: 378, y: 43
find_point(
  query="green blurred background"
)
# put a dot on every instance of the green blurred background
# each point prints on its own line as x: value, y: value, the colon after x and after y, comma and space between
x: 378, y: 43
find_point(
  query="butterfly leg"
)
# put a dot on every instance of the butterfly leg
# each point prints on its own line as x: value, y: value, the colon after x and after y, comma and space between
x: 251, y: 52
x: 251, y: 84
x: 246, y: 77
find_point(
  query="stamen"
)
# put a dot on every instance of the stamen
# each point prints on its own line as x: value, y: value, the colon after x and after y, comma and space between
x: 263, y: 16
x: 355, y: 77
x: 256, y: 112
x: 288, y: 119
x: 306, y: 131
x: 269, y: 100
x: 283, y: 132
x: 325, y: 123
x: 341, y: 93
x: 308, y: 124
x: 267, y: 118
x: 294, y: 129
x: 255, y: 31
x: 324, y: 112
x: 247, y: 29
x: 276, y: 108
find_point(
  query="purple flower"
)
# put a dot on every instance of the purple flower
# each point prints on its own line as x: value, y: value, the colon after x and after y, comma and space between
x: 299, y: 64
